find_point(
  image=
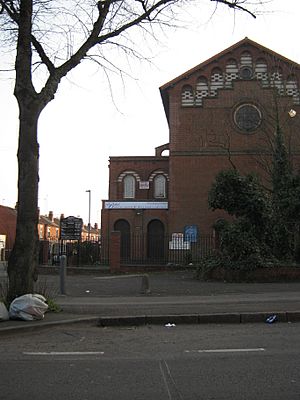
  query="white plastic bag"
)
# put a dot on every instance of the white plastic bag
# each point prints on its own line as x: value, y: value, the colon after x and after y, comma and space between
x: 3, y: 312
x: 28, y: 307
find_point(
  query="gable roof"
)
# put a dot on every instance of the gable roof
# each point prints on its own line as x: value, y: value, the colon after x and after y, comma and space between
x: 244, y: 42
x: 44, y: 220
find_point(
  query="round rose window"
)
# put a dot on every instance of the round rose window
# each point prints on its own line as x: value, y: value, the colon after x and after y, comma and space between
x: 247, y: 117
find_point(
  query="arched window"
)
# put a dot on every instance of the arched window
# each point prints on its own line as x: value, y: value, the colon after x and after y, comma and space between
x: 216, y: 81
x: 187, y: 96
x: 246, y: 59
x: 159, y: 186
x: 276, y: 80
x: 201, y: 90
x: 261, y: 71
x: 292, y: 89
x: 232, y: 72
x: 129, y: 187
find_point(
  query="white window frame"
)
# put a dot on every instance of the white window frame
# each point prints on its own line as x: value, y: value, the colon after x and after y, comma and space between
x: 129, y: 187
x: 160, y: 186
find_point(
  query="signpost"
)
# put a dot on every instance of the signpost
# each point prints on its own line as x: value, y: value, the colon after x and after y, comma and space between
x: 70, y: 229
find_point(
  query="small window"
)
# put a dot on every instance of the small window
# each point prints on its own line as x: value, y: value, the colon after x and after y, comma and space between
x: 129, y: 187
x: 159, y: 186
x: 246, y: 72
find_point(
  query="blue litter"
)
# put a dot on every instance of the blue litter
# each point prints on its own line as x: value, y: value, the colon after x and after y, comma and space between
x: 271, y: 319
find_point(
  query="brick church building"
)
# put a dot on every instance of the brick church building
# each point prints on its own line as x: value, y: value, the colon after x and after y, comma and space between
x: 221, y: 113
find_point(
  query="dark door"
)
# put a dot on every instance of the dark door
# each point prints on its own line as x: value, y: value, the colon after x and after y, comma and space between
x: 156, y: 240
x: 123, y: 226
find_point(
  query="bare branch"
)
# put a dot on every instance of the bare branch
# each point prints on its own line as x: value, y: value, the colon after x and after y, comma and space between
x: 44, y: 58
x: 236, y: 4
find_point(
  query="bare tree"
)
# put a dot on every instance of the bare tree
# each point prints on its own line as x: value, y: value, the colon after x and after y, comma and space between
x: 55, y: 36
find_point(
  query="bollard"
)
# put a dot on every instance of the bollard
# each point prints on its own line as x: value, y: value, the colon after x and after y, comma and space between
x: 62, y: 273
x: 145, y: 285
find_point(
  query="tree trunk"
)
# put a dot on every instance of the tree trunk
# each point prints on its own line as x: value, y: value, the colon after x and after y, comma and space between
x: 22, y: 263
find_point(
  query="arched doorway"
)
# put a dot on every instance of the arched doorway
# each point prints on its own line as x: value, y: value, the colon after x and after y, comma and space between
x: 156, y: 240
x: 123, y: 226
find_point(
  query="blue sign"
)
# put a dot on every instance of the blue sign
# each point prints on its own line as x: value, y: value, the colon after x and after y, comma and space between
x: 191, y: 233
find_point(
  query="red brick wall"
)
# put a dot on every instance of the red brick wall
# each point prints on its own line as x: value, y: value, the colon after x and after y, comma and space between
x: 203, y: 137
x: 203, y: 141
x: 138, y: 219
x: 8, y: 220
x: 142, y: 166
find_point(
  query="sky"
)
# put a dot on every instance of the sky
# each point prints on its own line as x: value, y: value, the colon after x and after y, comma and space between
x: 90, y: 119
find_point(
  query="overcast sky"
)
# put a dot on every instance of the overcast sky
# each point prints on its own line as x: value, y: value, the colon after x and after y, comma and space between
x: 84, y: 125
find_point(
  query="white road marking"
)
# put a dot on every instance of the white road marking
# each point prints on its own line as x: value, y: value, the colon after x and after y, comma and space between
x: 169, y: 382
x: 225, y: 350
x: 63, y: 353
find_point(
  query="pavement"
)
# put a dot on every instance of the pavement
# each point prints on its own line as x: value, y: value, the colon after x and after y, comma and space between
x: 168, y: 297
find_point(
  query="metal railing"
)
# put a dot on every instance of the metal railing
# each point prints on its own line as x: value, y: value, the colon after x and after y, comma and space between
x: 139, y: 250
x: 163, y: 250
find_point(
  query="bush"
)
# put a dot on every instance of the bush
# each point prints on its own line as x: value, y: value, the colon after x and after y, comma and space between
x: 207, y: 265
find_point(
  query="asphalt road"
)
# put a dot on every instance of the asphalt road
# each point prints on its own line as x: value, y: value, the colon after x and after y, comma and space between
x: 234, y: 362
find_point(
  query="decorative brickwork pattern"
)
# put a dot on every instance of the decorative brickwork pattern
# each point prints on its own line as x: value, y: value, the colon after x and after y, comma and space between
x: 261, y: 72
x: 244, y: 69
x: 276, y: 80
x: 292, y: 89
x: 133, y: 173
x: 158, y: 172
x: 202, y: 90
x: 216, y: 82
x: 232, y: 73
x: 187, y: 96
x: 246, y: 59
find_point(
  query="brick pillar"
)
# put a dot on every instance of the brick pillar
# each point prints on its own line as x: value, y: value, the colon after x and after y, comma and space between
x: 115, y: 251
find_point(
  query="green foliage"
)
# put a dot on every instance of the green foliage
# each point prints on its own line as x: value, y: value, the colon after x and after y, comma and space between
x: 266, y: 226
x: 240, y: 246
x: 239, y: 195
x: 285, y: 202
x: 281, y: 170
x: 207, y: 265
x: 53, y: 306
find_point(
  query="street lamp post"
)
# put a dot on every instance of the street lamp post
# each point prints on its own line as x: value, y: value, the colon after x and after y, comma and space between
x: 89, y: 224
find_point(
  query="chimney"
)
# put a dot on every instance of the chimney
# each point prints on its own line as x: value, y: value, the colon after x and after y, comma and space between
x: 50, y: 215
x: 62, y: 216
x: 96, y: 226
